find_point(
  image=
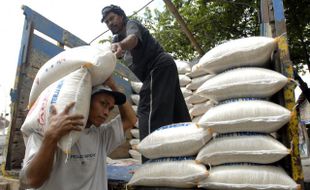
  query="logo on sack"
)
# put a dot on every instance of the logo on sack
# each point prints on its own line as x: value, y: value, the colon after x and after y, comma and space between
x: 60, y: 61
x: 56, y: 92
x: 41, y: 119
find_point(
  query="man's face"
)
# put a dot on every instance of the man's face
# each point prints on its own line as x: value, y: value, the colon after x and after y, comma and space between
x: 114, y: 22
x: 100, y: 106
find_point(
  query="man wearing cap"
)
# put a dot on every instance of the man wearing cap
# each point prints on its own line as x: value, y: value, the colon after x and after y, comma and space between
x: 47, y: 167
x: 161, y: 100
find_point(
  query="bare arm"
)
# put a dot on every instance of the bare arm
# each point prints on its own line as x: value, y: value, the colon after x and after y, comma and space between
x: 40, y: 166
x: 127, y: 43
x: 128, y: 115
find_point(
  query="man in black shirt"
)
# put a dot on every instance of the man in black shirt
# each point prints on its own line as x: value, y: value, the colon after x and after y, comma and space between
x: 161, y: 100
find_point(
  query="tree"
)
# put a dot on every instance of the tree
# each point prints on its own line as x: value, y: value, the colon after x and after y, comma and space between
x: 210, y: 22
x: 215, y: 21
x: 298, y: 29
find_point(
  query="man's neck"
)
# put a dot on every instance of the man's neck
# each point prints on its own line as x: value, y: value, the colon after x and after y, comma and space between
x: 122, y: 33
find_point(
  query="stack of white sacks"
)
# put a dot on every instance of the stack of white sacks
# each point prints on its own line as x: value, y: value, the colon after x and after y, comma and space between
x: 135, y: 98
x: 67, y: 77
x: 242, y: 154
x: 197, y: 105
x: 189, y: 83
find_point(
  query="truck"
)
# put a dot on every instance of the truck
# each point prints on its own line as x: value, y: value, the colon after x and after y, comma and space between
x: 36, y: 50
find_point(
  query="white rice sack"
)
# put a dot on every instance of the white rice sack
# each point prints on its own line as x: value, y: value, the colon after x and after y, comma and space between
x: 242, y: 147
x: 184, y: 80
x: 135, y: 108
x: 181, y: 139
x: 135, y: 154
x: 195, y: 99
x: 134, y: 142
x: 183, y: 66
x: 75, y: 87
x: 100, y: 62
x: 304, y: 111
x: 189, y: 106
x: 248, y: 177
x: 250, y: 115
x: 197, y: 82
x: 136, y: 86
x: 243, y: 82
x: 196, y: 119
x: 135, y: 133
x: 251, y: 51
x: 175, y: 172
x: 186, y: 92
x: 137, y: 124
x: 197, y: 72
x: 200, y: 109
x: 135, y: 99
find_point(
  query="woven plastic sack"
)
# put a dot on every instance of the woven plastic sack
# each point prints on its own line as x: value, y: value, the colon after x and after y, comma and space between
x: 196, y: 72
x: 189, y: 106
x: 196, y: 119
x: 136, y: 86
x: 242, y: 147
x: 173, y: 172
x: 248, y: 177
x: 245, y: 115
x: 304, y: 111
x: 183, y: 66
x: 243, y: 82
x: 135, y: 154
x: 100, y: 62
x: 134, y: 142
x: 195, y: 99
x: 197, y: 82
x: 135, y: 108
x: 75, y: 87
x: 181, y: 139
x: 184, y: 80
x: 135, y: 133
x: 186, y: 92
x: 200, y: 109
x: 251, y: 51
x: 135, y: 99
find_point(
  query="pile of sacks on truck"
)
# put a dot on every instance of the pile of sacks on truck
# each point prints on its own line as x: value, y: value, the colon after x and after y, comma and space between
x: 231, y: 142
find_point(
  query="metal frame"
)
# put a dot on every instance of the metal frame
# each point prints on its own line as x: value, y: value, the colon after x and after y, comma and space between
x: 273, y: 25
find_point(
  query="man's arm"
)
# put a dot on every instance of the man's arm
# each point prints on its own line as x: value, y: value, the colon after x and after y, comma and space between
x: 128, y: 115
x: 128, y: 43
x: 37, y: 171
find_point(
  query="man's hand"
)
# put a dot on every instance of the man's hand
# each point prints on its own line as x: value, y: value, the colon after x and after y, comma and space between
x: 110, y: 82
x: 40, y: 166
x: 62, y: 123
x: 117, y: 49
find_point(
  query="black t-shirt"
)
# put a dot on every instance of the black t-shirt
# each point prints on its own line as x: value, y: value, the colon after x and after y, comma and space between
x: 146, y: 54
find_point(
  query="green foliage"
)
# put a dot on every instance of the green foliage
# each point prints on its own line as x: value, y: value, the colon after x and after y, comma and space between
x: 298, y: 29
x: 210, y: 22
x: 214, y: 21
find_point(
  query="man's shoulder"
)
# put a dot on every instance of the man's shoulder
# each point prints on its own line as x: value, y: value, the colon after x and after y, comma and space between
x: 115, y: 122
x: 135, y: 23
